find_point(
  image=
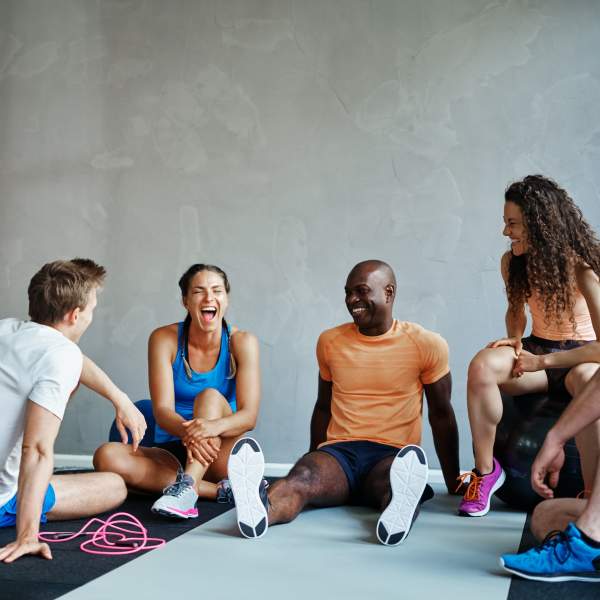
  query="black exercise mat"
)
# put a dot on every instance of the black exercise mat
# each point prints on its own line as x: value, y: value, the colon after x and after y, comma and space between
x: 33, y: 578
x: 525, y: 589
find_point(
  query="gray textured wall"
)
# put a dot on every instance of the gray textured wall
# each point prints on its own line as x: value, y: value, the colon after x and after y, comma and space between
x: 284, y: 140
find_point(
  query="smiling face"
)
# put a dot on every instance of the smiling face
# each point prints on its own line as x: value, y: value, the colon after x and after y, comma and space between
x: 206, y: 300
x: 514, y: 228
x: 369, y: 298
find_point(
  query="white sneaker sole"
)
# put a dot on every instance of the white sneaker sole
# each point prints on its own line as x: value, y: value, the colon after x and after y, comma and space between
x: 246, y: 467
x: 173, y: 512
x: 408, y: 476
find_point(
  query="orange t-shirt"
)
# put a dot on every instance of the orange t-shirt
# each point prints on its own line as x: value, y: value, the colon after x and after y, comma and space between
x: 377, y: 392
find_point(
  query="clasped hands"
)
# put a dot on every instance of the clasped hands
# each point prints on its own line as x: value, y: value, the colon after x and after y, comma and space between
x: 525, y: 362
x: 201, y: 439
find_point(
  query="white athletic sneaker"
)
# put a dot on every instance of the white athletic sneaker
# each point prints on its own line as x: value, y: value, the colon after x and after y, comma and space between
x: 178, y: 499
x: 246, y: 467
x: 408, y: 476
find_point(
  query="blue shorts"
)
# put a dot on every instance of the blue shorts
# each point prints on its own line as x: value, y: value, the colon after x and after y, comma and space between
x: 358, y: 458
x: 8, y: 512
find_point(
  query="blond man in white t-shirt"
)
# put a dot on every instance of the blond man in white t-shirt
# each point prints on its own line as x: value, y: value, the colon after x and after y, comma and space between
x: 41, y: 366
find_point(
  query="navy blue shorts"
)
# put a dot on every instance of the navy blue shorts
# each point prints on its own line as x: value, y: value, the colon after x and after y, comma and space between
x: 358, y: 458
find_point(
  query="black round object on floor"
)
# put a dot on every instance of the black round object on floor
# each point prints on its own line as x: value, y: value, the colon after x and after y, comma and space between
x: 521, y: 432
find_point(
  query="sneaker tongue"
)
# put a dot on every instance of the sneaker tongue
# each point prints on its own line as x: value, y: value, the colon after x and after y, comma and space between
x: 477, y: 472
x: 187, y: 479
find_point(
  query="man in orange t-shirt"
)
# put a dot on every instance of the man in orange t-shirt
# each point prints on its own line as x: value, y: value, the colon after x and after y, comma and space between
x: 366, y: 423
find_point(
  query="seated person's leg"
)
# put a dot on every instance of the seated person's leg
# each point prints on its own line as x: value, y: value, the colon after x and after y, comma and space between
x: 589, y: 519
x: 161, y: 468
x: 146, y: 470
x: 588, y: 439
x: 396, y: 485
x: 555, y: 514
x: 179, y: 499
x: 490, y: 371
x: 573, y: 553
x: 85, y: 494
x: 209, y: 404
x: 317, y: 479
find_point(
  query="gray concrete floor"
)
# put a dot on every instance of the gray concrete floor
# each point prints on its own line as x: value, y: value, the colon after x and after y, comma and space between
x: 327, y: 553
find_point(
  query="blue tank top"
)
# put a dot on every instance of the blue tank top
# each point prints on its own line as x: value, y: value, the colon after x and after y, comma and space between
x: 186, y: 388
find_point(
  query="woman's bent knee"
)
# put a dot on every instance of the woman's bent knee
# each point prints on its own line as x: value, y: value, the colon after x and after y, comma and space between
x: 489, y: 366
x: 210, y: 402
x: 210, y: 395
x: 479, y: 374
x: 111, y: 457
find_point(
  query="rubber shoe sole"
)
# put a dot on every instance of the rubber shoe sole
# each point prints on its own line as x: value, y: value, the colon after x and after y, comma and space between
x: 246, y: 467
x: 589, y: 577
x: 408, y: 477
x: 480, y: 513
x: 174, y: 513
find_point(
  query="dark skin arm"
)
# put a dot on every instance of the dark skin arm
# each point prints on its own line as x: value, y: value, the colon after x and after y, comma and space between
x: 321, y: 415
x: 444, y: 429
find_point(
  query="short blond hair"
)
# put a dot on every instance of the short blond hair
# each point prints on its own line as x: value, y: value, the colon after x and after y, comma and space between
x: 61, y: 286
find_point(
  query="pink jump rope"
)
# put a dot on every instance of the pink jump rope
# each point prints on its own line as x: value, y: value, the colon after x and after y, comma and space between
x: 121, y: 533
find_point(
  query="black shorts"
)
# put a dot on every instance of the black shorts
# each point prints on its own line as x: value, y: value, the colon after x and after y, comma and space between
x: 556, y: 377
x: 357, y: 459
x: 177, y: 449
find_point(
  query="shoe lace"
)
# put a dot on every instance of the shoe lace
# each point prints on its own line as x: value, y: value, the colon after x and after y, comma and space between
x: 553, y: 541
x: 472, y: 491
x: 224, y: 492
x: 178, y: 486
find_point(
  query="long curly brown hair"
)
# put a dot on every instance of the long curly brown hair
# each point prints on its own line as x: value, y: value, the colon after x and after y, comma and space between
x: 558, y: 238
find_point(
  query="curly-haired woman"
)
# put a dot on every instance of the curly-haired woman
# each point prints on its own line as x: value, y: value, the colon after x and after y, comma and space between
x: 553, y: 267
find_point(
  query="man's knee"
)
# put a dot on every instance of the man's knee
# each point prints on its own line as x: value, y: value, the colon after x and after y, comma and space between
x: 291, y: 493
x: 303, y: 478
x: 578, y: 377
x: 113, y: 488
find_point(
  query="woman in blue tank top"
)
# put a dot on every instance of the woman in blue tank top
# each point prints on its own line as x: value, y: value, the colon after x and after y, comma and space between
x: 205, y: 389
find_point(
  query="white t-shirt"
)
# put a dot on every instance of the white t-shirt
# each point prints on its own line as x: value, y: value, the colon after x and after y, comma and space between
x: 37, y: 363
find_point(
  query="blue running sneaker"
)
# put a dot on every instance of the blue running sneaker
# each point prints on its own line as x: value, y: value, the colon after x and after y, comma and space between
x: 563, y: 556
